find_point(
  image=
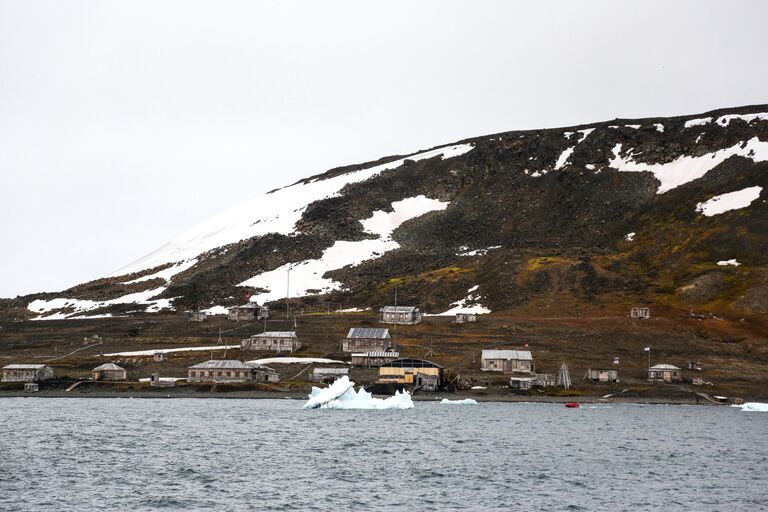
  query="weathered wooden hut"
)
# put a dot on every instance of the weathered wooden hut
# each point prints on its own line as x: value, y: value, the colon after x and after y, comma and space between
x: 404, y: 315
x: 248, y: 313
x: 109, y: 371
x: 412, y: 372
x: 27, y: 372
x: 373, y: 359
x: 328, y: 375
x: 640, y: 312
x: 602, y: 375
x: 261, y: 373
x: 507, y: 361
x: 158, y: 357
x: 197, y: 316
x: 521, y: 382
x: 220, y: 370
x: 272, y: 341
x: 462, y: 318
x: 665, y: 373
x: 366, y: 339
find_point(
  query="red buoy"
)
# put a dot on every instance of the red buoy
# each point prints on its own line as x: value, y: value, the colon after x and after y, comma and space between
x: 573, y: 405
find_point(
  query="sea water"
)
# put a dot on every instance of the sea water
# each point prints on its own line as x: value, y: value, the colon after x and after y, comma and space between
x: 223, y: 454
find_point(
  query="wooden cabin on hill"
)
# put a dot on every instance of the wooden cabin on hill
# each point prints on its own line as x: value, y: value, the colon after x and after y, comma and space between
x: 403, y: 315
x: 272, y: 341
x: 640, y: 312
x: 665, y: 373
x: 416, y: 373
x: 373, y: 359
x: 507, y: 361
x: 248, y: 313
x: 230, y: 371
x: 602, y: 375
x: 365, y: 339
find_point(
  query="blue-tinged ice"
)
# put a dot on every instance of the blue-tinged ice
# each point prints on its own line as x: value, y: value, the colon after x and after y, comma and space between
x: 342, y: 395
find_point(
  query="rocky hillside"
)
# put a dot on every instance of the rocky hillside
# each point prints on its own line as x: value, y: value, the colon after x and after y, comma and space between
x: 663, y: 211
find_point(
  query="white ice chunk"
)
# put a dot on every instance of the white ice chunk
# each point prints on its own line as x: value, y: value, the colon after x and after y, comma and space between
x: 753, y: 407
x: 466, y: 401
x: 342, y: 395
x: 731, y: 262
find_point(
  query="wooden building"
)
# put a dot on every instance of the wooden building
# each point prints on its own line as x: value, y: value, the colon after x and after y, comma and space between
x: 373, y: 359
x: 602, y: 375
x: 197, y: 316
x: 665, y: 373
x: 404, y: 315
x: 521, y: 382
x: 158, y: 357
x: 365, y: 339
x: 507, y: 361
x: 261, y: 373
x: 272, y: 341
x: 27, y: 372
x: 248, y: 313
x: 328, y: 375
x: 221, y: 370
x: 462, y: 318
x: 640, y: 312
x: 109, y: 371
x: 417, y: 373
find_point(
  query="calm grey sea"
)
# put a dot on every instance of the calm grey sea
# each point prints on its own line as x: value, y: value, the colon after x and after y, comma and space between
x: 213, y: 454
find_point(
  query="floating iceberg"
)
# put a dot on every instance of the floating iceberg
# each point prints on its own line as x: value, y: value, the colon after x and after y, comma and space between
x: 466, y: 401
x: 753, y: 407
x: 342, y: 395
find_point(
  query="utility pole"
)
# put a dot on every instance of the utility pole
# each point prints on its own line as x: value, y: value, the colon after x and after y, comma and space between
x: 394, y: 324
x: 288, y: 295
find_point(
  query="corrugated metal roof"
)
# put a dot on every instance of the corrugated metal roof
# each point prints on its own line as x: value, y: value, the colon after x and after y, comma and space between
x: 399, y: 309
x: 108, y: 366
x: 250, y: 305
x: 520, y: 355
x: 276, y: 334
x: 24, y: 367
x: 330, y: 371
x: 219, y: 363
x: 664, y: 367
x: 368, y: 332
x: 408, y: 362
x: 393, y: 355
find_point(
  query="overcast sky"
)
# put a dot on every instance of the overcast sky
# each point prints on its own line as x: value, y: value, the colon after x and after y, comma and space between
x: 124, y: 123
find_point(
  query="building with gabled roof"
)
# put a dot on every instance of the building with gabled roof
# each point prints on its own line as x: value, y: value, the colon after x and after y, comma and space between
x: 366, y: 339
x: 507, y: 361
x: 404, y: 315
x: 373, y: 359
x: 272, y: 341
x: 27, y: 372
x: 220, y: 370
x: 665, y: 373
x: 407, y: 371
x: 247, y: 312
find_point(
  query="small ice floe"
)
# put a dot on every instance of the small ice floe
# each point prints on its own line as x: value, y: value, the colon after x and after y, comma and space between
x: 477, y: 387
x: 466, y: 401
x: 342, y: 395
x: 731, y: 262
x: 753, y: 407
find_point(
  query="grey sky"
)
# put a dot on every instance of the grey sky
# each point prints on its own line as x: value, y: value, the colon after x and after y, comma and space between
x: 124, y: 123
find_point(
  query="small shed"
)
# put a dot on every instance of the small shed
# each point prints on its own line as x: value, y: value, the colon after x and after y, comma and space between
x: 328, y: 375
x: 545, y: 380
x: 412, y: 372
x: 31, y: 387
x: 158, y: 357
x: 109, y: 371
x: 272, y: 341
x: 27, y: 372
x: 507, y: 361
x: 248, y: 313
x: 665, y: 373
x: 602, y: 375
x: 403, y: 315
x: 219, y: 371
x: 462, y: 318
x: 365, y: 339
x: 197, y: 316
x: 261, y: 373
x: 373, y: 359
x: 640, y: 312
x: 521, y: 382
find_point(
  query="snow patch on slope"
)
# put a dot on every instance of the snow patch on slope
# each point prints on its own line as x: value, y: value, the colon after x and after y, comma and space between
x: 469, y: 304
x: 274, y: 212
x: 75, y: 307
x: 729, y: 201
x: 306, y: 277
x: 688, y: 168
x: 167, y: 273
